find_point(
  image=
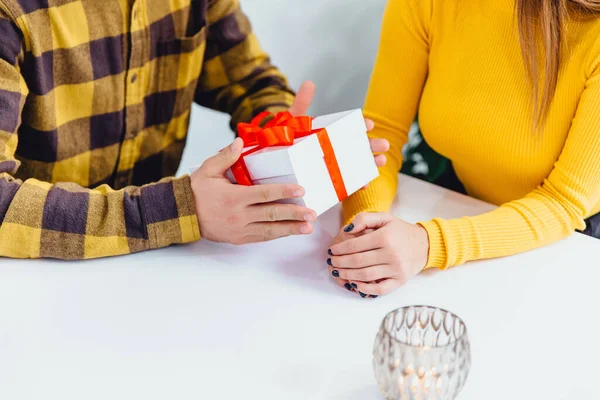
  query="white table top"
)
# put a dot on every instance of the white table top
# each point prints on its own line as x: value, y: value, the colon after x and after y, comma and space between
x: 209, y: 321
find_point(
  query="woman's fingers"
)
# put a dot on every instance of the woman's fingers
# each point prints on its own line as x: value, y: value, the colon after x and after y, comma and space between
x: 369, y: 274
x: 367, y: 220
x: 345, y: 284
x: 360, y: 258
x: 379, y: 145
x: 380, y: 160
x: 343, y: 236
x: 380, y: 288
x: 354, y: 245
x: 351, y: 250
x: 338, y: 239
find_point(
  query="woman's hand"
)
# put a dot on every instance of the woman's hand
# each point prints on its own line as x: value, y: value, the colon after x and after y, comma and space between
x: 377, y: 254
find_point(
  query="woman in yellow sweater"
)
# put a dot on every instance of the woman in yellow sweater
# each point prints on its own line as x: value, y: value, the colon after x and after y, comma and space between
x: 509, y: 91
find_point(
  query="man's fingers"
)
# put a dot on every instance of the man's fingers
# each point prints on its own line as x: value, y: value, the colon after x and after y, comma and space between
x: 303, y: 100
x: 264, y: 231
x: 358, y: 259
x: 369, y: 124
x: 280, y: 212
x: 219, y: 163
x: 269, y: 193
x: 379, y: 145
x: 369, y: 274
x: 380, y: 288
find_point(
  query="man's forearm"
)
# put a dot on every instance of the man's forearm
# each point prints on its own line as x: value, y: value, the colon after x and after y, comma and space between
x: 66, y: 221
x: 238, y: 76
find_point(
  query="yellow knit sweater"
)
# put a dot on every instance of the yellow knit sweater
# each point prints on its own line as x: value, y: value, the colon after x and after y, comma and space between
x: 459, y: 63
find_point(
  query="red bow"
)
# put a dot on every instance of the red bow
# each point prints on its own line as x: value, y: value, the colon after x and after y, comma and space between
x: 282, y: 130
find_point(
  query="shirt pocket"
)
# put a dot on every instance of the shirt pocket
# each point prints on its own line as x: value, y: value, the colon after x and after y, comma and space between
x: 178, y: 69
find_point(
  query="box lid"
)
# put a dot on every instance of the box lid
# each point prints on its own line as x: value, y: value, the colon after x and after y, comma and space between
x: 328, y: 120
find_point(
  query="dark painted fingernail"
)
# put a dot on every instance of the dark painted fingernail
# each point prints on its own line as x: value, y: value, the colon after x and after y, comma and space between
x: 348, y: 286
x: 362, y: 295
x: 349, y: 228
x: 329, y: 252
x: 335, y: 273
x: 354, y: 285
x: 329, y: 262
x: 374, y: 296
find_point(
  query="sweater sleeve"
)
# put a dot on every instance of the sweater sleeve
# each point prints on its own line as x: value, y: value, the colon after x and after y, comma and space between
x: 394, y: 93
x: 549, y: 213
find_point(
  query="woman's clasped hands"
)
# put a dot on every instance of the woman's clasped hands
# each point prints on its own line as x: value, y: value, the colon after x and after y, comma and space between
x: 377, y: 253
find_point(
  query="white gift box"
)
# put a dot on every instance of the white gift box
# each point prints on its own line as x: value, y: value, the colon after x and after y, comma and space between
x: 304, y: 162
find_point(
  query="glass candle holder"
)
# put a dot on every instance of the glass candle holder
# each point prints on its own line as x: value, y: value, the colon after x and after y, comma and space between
x: 421, y: 353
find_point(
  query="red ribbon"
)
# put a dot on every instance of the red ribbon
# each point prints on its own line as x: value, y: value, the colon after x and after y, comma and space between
x: 282, y: 130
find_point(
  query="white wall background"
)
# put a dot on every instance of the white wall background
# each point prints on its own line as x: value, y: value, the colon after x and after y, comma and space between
x: 331, y: 42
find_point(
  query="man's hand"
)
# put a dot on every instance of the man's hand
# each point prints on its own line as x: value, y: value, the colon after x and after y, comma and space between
x: 303, y: 100
x: 244, y: 214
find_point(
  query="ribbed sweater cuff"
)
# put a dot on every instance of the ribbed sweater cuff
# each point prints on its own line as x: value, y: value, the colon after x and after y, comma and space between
x: 438, y: 257
x: 377, y: 197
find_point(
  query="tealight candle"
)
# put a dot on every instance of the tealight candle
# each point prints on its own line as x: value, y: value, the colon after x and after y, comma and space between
x: 421, y: 353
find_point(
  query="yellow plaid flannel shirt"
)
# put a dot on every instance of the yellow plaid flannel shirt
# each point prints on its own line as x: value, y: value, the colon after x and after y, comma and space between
x: 95, y: 101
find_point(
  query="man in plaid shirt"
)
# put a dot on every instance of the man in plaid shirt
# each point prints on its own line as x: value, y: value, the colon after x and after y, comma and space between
x: 95, y: 101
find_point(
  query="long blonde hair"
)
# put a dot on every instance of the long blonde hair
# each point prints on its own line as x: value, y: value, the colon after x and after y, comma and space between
x: 543, y: 21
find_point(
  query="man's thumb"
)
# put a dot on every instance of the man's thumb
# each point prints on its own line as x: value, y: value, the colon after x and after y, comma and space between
x: 303, y: 100
x: 222, y: 161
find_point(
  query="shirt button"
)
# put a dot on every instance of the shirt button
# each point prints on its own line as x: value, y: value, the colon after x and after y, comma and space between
x: 134, y: 78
